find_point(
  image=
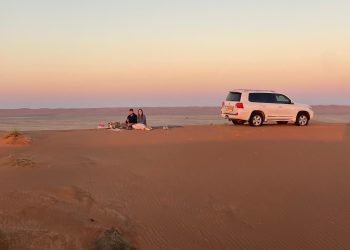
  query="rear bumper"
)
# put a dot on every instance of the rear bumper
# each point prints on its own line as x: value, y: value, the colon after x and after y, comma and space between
x: 239, y: 115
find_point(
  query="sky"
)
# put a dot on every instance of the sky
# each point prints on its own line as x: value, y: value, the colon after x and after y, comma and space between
x: 107, y: 53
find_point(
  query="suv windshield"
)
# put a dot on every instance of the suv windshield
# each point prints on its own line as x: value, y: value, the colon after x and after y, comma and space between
x: 234, y: 97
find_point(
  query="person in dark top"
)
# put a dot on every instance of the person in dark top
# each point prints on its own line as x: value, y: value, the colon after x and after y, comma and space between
x: 131, y: 119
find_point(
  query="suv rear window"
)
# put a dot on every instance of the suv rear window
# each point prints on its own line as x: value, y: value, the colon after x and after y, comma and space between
x: 262, y: 97
x: 234, y: 97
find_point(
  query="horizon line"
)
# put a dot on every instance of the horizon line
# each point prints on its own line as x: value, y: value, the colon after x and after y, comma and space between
x: 128, y: 107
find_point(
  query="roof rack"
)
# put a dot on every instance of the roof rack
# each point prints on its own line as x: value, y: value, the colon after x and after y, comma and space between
x: 255, y: 90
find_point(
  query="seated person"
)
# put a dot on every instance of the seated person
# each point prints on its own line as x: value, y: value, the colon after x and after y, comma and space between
x: 131, y: 119
x: 141, y: 121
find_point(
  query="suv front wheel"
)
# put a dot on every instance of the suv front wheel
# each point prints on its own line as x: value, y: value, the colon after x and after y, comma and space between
x: 256, y: 119
x: 302, y: 119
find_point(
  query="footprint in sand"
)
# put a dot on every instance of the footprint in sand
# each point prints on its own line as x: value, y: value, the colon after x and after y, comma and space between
x: 63, y: 218
x: 4, y: 244
x: 17, y: 160
x: 75, y: 194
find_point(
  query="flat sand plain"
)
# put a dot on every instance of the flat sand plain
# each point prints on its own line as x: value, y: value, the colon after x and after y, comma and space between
x: 194, y: 187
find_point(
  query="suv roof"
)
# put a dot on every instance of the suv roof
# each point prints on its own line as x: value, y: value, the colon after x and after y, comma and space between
x: 253, y: 90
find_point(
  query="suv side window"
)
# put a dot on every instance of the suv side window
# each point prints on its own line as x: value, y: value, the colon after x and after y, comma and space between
x: 262, y: 97
x: 282, y: 99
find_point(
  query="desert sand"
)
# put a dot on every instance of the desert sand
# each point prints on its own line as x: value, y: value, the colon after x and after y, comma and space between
x: 195, y: 187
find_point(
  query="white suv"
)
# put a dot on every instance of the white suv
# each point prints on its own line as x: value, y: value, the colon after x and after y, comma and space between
x: 259, y: 106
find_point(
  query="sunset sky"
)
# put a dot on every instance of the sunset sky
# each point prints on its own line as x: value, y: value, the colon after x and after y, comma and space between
x: 81, y: 53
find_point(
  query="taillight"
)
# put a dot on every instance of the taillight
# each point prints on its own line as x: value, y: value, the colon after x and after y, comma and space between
x: 239, y: 105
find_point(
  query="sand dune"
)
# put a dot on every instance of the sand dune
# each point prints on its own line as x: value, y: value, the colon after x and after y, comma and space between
x: 199, y: 187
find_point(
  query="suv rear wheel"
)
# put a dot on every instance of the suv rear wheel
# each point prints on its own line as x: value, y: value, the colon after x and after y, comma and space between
x: 256, y: 119
x: 302, y: 119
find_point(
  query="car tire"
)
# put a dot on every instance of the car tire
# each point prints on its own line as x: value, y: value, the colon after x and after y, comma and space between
x: 282, y: 122
x: 256, y: 119
x: 238, y: 122
x: 303, y: 119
